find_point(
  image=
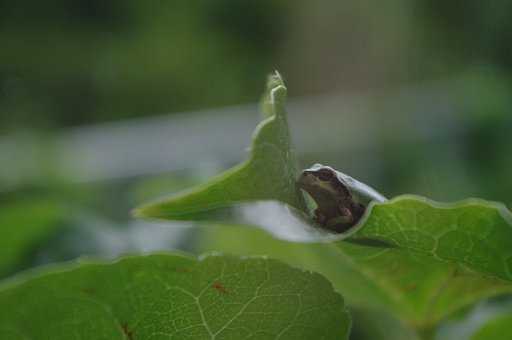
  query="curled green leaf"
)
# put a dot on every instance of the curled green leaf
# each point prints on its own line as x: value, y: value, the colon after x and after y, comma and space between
x: 268, y: 174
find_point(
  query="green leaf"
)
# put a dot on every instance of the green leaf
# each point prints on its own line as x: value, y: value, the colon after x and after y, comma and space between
x: 169, y: 296
x: 268, y: 174
x: 472, y: 233
x: 24, y: 225
x: 418, y: 289
x: 495, y: 329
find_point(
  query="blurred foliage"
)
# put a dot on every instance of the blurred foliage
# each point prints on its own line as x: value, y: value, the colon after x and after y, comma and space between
x: 498, y: 328
x: 469, y: 30
x: 25, y: 225
x: 68, y: 63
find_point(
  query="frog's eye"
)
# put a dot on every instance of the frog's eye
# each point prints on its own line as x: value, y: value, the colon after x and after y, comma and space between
x: 325, y: 174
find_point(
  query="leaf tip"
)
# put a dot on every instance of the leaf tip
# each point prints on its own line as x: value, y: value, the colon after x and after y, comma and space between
x: 274, y: 80
x: 275, y: 95
x: 145, y: 211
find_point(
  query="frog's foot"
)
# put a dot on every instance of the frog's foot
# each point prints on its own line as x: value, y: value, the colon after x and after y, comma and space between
x: 320, y: 218
x: 346, y: 214
x: 340, y: 222
x: 358, y: 211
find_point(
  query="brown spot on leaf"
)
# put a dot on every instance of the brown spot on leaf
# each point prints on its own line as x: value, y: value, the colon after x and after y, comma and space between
x: 219, y: 287
x: 410, y: 287
x: 181, y: 270
x: 88, y: 291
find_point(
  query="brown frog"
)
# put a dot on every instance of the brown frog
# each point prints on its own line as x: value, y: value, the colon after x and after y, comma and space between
x: 341, y: 200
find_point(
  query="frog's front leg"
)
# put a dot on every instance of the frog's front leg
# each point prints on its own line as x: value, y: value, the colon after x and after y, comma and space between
x: 320, y: 217
x: 340, y: 222
x: 358, y: 211
x: 345, y: 213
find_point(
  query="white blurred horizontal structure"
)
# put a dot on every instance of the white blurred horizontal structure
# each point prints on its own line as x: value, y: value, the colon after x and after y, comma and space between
x: 188, y: 140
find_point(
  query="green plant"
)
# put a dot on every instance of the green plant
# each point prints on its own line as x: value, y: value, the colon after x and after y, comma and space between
x: 409, y: 265
x: 417, y: 259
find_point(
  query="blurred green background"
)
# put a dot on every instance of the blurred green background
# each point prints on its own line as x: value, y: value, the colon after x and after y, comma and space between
x: 107, y: 104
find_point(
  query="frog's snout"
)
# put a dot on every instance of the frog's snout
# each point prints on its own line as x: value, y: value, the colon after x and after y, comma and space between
x: 308, y: 181
x: 306, y: 177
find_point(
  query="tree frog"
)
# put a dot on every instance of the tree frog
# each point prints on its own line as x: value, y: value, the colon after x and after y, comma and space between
x: 340, y: 199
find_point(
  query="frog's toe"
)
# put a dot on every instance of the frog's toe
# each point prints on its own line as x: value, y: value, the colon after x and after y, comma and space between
x: 320, y: 218
x: 340, y: 220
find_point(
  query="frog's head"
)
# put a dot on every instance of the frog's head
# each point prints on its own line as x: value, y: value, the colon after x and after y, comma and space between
x: 321, y: 178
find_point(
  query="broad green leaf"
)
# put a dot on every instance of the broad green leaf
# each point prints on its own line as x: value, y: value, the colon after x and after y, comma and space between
x: 495, y: 329
x: 166, y: 296
x: 472, y: 233
x: 268, y: 174
x: 418, y: 289
x: 23, y: 225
